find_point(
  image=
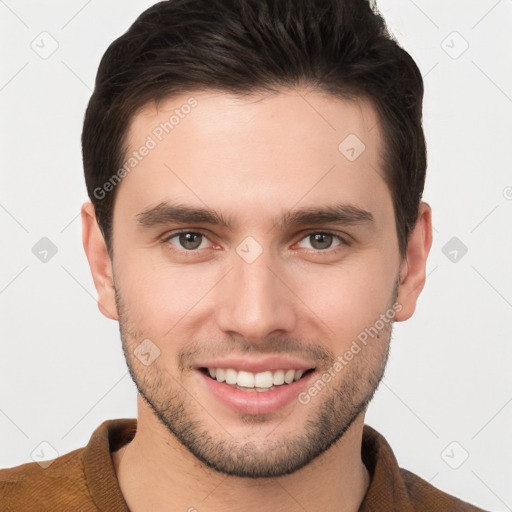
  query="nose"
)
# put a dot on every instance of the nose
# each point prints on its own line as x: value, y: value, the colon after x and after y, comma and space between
x: 256, y: 300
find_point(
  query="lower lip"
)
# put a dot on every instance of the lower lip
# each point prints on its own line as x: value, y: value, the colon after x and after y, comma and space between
x: 255, y: 402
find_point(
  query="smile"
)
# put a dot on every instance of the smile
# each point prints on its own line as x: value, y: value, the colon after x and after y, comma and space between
x: 249, y: 381
x: 258, y: 393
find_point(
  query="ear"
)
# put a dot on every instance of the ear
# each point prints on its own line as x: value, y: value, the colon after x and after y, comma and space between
x: 413, y: 269
x: 99, y: 262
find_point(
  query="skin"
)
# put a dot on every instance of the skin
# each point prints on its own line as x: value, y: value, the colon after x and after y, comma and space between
x: 253, y: 159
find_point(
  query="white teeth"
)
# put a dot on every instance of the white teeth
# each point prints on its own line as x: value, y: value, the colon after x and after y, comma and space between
x: 230, y: 376
x: 288, y: 376
x: 298, y: 374
x: 261, y: 381
x: 245, y: 379
x: 278, y: 378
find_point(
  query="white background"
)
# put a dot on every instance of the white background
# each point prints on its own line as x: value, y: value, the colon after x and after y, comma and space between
x: 62, y: 371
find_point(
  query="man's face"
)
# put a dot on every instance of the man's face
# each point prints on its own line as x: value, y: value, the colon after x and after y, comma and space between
x: 262, y: 294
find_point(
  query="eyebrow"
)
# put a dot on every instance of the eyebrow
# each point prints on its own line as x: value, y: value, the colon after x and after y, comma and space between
x: 339, y: 213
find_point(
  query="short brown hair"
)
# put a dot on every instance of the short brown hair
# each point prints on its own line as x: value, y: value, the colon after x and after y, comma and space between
x: 341, y: 47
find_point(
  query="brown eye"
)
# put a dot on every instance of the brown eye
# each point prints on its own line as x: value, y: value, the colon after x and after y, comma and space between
x: 321, y: 241
x: 188, y: 240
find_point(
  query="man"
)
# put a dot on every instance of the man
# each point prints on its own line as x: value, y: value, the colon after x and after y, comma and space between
x: 255, y: 170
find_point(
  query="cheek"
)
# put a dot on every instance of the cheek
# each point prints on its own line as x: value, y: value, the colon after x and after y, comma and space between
x: 158, y: 295
x: 351, y: 297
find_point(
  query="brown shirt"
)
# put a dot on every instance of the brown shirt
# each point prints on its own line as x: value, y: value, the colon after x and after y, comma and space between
x: 85, y: 480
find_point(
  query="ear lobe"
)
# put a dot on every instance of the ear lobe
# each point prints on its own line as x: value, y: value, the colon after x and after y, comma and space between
x: 413, y: 270
x: 99, y: 262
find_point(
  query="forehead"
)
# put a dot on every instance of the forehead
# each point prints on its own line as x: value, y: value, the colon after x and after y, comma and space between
x: 259, y: 150
x: 308, y: 118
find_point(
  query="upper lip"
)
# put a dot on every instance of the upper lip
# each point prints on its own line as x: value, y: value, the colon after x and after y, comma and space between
x: 257, y: 365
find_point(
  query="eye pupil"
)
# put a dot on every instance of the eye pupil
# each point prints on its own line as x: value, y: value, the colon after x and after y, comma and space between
x: 187, y: 240
x: 320, y: 237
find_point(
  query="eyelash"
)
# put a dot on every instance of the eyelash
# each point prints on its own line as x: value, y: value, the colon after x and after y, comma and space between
x: 192, y: 252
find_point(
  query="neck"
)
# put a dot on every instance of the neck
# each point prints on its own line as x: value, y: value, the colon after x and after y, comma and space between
x: 156, y: 472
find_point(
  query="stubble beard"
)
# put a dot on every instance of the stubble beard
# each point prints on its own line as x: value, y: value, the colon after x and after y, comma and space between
x: 332, y: 412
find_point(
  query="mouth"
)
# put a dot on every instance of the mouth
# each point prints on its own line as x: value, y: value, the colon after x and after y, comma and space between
x: 250, y: 393
x: 255, y: 386
x: 260, y: 382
